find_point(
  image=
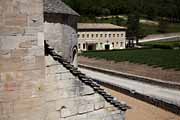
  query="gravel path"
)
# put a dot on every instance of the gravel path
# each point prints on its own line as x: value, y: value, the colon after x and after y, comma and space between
x: 131, y: 68
x: 165, y: 94
x: 141, y: 110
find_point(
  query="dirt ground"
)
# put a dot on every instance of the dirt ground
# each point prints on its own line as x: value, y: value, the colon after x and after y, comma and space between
x: 141, y: 110
x: 137, y: 69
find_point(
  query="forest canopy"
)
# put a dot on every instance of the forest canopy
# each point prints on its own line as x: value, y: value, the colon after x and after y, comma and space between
x: 151, y: 9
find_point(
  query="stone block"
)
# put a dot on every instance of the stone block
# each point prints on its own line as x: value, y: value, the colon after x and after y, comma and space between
x: 16, y: 20
x: 118, y: 116
x: 35, y: 20
x: 69, y: 92
x: 1, y: 16
x: 32, y: 30
x: 53, y: 115
x: 86, y: 90
x: 7, y: 108
x: 85, y: 108
x: 99, y: 105
x: 50, y: 61
x: 67, y: 75
x: 67, y: 107
x: 8, y: 30
x: 9, y: 43
x: 97, y: 115
x: 36, y: 51
x: 51, y: 112
x: 62, y: 84
x: 26, y: 44
x: 19, y: 52
x: 57, y: 69
x: 40, y: 62
x: 41, y: 39
x: 109, y: 118
x: 5, y: 53
x: 32, y: 63
x: 77, y: 117
x: 52, y: 96
x: 86, y: 104
x: 9, y: 64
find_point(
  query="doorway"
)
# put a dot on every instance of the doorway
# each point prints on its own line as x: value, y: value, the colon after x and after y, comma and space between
x: 91, y: 46
x: 107, y: 47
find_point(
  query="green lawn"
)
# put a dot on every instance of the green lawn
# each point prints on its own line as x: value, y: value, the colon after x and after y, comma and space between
x: 165, y: 58
x: 162, y: 44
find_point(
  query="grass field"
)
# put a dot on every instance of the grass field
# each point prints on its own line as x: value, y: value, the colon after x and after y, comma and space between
x: 160, y: 44
x: 165, y: 58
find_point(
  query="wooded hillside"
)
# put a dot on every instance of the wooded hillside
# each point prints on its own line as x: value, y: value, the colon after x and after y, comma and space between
x: 151, y: 9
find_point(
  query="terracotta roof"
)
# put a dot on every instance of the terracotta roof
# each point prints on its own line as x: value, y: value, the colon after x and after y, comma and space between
x: 99, y: 26
x: 57, y: 6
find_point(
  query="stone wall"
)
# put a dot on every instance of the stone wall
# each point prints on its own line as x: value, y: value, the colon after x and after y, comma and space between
x: 22, y: 61
x: 60, y: 33
x: 69, y: 99
x: 35, y: 87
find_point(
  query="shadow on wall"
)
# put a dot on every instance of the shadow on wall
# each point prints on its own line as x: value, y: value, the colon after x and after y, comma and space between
x: 61, y: 33
x: 75, y: 54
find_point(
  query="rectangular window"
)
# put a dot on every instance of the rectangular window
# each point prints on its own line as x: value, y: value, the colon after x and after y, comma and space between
x: 79, y: 45
x: 78, y: 35
x: 113, y: 45
x: 101, y: 45
x: 121, y: 44
x: 117, y: 43
x: 101, y: 35
x: 84, y: 46
x: 109, y: 35
x: 96, y: 35
x: 122, y: 35
x: 117, y: 35
x: 113, y: 35
x: 82, y: 35
x: 87, y: 35
x: 92, y: 35
x: 105, y: 35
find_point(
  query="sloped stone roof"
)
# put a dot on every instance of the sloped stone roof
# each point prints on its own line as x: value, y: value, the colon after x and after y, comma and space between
x: 57, y: 6
x: 99, y: 26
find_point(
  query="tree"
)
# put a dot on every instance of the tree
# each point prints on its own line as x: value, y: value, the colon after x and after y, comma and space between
x: 133, y: 21
x: 163, y: 25
x: 133, y: 29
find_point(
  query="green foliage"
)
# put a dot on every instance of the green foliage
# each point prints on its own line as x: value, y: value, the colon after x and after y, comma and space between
x: 165, y: 58
x: 162, y: 44
x: 133, y: 25
x: 163, y: 26
x: 152, y: 9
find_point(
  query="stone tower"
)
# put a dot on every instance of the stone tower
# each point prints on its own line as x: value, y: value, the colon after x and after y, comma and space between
x: 61, y: 28
x: 34, y: 86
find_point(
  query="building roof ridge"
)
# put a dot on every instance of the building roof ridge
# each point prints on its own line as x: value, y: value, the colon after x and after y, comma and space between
x: 58, y: 6
x: 99, y: 26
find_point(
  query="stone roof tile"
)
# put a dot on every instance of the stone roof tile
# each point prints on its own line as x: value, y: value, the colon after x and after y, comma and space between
x: 99, y: 26
x: 57, y: 6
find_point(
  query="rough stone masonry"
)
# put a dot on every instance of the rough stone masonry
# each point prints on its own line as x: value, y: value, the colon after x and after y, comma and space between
x: 33, y: 86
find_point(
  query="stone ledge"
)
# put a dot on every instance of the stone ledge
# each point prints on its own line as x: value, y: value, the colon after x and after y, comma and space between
x: 134, y: 77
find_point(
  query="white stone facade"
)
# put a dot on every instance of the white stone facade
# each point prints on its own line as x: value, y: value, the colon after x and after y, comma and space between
x: 101, y: 39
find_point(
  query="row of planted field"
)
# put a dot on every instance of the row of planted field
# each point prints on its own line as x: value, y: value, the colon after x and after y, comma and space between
x: 162, y: 44
x: 165, y: 58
